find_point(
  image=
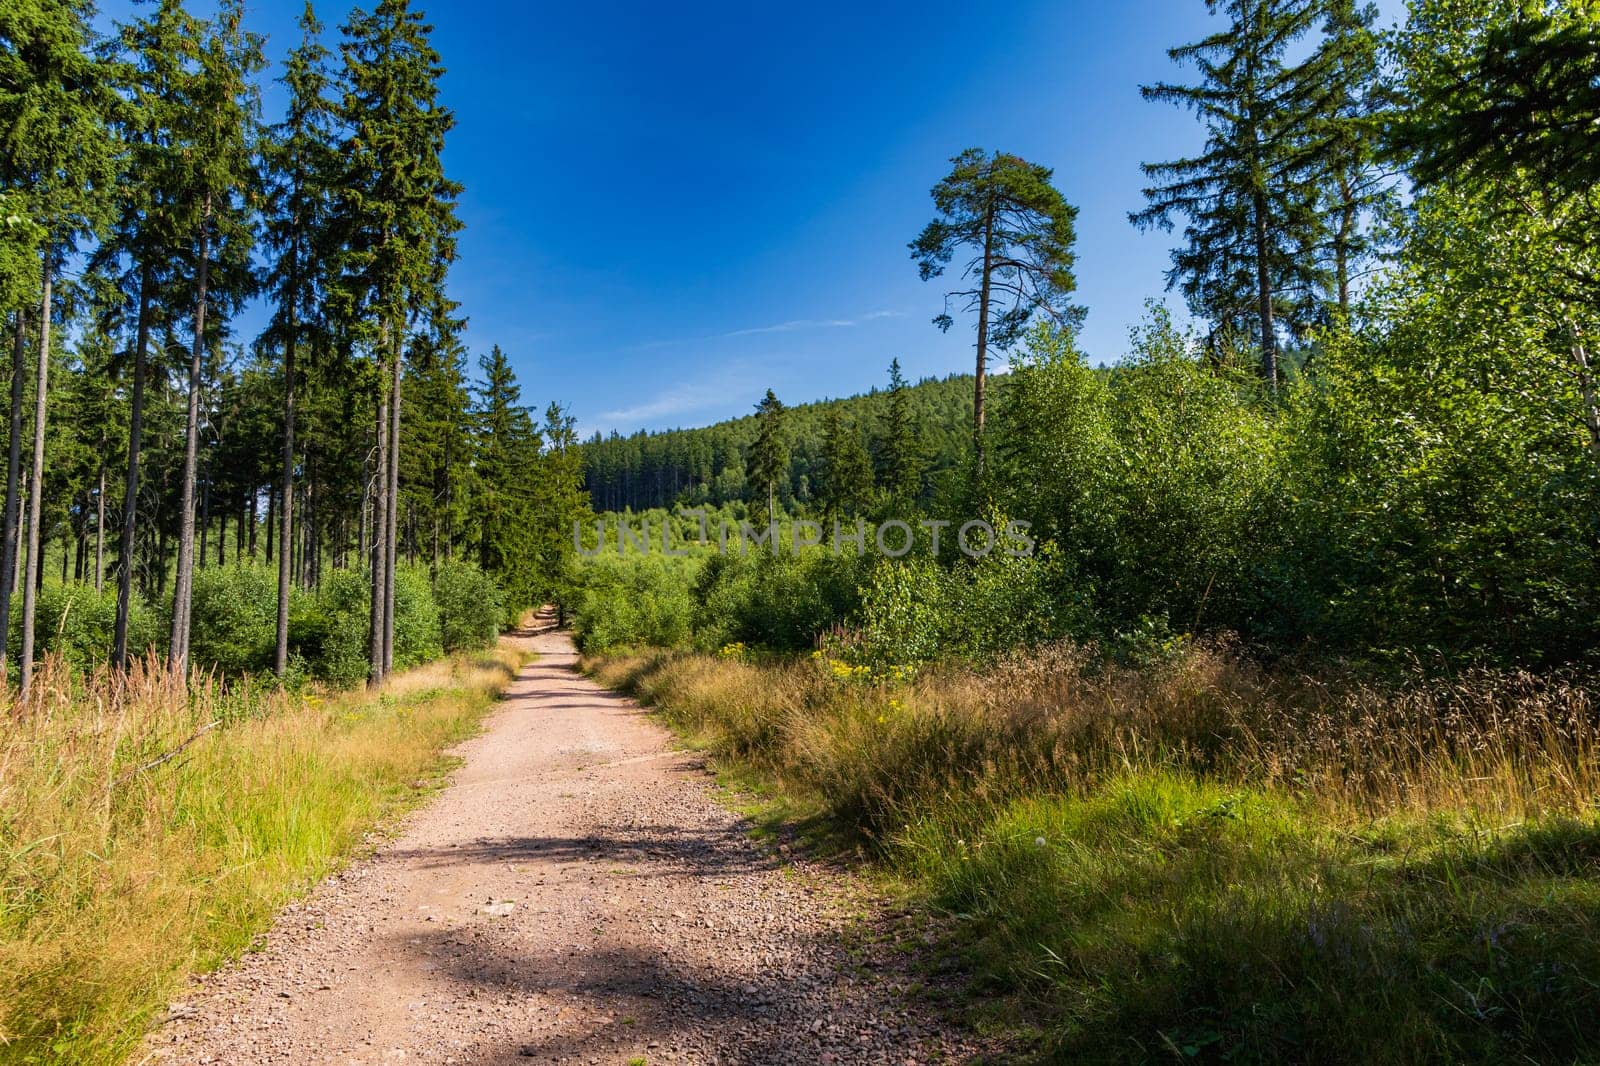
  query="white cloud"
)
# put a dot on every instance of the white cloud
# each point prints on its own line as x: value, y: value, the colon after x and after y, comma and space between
x: 792, y: 326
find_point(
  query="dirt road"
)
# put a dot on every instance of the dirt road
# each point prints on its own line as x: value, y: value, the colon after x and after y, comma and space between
x: 575, y: 895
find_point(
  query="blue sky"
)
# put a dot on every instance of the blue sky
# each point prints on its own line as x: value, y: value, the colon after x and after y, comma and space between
x: 671, y: 208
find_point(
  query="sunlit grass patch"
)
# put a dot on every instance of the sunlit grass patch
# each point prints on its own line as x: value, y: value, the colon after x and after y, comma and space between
x: 1199, y: 858
x: 121, y: 873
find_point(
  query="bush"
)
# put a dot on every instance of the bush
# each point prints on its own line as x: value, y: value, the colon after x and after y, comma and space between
x: 234, y: 619
x: 335, y: 634
x: 417, y: 636
x: 79, y: 624
x: 782, y: 602
x: 470, y: 610
x: 916, y: 611
x: 623, y: 600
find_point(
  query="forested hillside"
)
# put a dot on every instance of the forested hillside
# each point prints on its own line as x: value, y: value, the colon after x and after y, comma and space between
x: 710, y: 464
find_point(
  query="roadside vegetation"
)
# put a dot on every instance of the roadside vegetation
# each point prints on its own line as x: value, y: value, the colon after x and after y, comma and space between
x: 152, y: 829
x: 1281, y: 745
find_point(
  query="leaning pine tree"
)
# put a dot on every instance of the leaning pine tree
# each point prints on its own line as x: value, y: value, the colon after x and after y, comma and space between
x: 1017, y: 230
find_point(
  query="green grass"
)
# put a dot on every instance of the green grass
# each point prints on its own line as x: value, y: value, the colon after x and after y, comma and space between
x: 1160, y: 916
x: 117, y: 882
x: 1193, y: 860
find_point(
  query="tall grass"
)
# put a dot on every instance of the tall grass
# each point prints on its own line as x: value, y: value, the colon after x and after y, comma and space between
x: 146, y: 831
x: 1204, y: 858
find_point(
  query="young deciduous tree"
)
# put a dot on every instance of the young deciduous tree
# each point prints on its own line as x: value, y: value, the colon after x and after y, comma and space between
x: 1018, y: 230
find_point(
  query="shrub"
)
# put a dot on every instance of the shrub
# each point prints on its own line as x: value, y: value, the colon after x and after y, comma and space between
x: 417, y: 637
x: 79, y: 624
x: 470, y: 611
x: 234, y: 619
x: 335, y: 634
x: 619, y: 600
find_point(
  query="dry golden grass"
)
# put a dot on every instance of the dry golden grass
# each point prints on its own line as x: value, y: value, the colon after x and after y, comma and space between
x: 146, y: 832
x: 1203, y: 858
x: 1060, y: 720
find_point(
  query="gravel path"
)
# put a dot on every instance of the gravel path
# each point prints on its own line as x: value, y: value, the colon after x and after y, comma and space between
x: 576, y: 895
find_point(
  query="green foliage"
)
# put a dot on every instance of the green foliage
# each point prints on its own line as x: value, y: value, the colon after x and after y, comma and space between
x: 615, y: 601
x: 417, y: 635
x: 234, y: 619
x: 334, y: 636
x: 916, y: 611
x: 778, y: 601
x: 75, y: 622
x: 1162, y: 483
x: 470, y: 615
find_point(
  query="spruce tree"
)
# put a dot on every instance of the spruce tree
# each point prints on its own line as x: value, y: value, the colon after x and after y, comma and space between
x: 215, y: 130
x: 137, y: 257
x: 302, y: 160
x: 399, y: 212
x: 56, y: 168
x: 900, y: 453
x: 1019, y: 231
x: 1354, y: 186
x: 846, y: 467
x: 769, y: 455
x: 507, y: 441
x: 1250, y: 198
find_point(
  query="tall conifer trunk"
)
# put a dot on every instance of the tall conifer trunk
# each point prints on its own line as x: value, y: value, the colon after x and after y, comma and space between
x: 280, y: 658
x: 100, y: 532
x: 13, y: 507
x: 983, y: 344
x: 183, y: 586
x: 30, y: 587
x: 130, y: 498
x: 379, y: 552
x: 392, y: 497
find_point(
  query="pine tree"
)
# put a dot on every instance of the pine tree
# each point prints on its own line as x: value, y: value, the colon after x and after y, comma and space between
x: 56, y: 169
x: 769, y: 455
x: 301, y: 160
x: 1250, y: 198
x: 216, y: 131
x: 398, y: 208
x: 1020, y: 231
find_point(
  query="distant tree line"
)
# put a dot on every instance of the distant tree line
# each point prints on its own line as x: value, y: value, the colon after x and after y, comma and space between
x: 903, y: 439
